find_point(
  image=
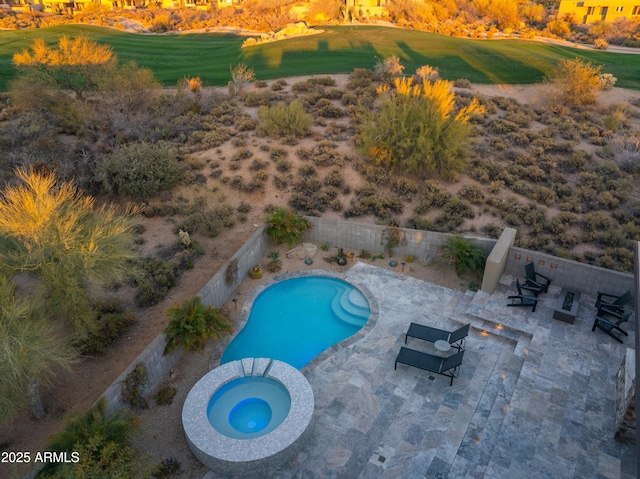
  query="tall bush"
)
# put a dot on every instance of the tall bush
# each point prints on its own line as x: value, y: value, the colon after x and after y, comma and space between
x: 140, y: 170
x: 576, y: 82
x: 417, y: 130
x: 284, y: 120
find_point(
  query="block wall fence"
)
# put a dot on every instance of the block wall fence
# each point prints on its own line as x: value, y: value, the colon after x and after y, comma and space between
x: 423, y: 245
x: 215, y: 292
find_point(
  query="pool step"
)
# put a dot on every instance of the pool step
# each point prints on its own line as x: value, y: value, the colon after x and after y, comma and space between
x: 351, y: 307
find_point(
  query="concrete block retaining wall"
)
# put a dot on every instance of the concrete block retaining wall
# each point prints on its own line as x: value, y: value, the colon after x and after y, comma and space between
x: 423, y: 245
x: 570, y: 274
x: 215, y: 292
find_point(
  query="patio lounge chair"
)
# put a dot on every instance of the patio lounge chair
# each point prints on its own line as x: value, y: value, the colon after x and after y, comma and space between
x: 523, y: 299
x: 613, y: 329
x: 615, y: 305
x: 534, y: 279
x: 435, y: 364
x: 456, y: 338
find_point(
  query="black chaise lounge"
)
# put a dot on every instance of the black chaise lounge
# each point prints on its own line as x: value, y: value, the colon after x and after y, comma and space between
x: 436, y: 364
x: 612, y: 304
x: 456, y: 338
x: 523, y: 299
x: 536, y: 280
x: 613, y: 329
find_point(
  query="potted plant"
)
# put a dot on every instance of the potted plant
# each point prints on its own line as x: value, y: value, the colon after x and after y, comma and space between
x: 256, y: 272
x: 341, y: 258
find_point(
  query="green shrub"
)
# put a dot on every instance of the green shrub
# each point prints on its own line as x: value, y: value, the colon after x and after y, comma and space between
x: 157, y: 277
x: 404, y: 187
x: 111, y: 326
x: 473, y: 193
x: 133, y: 385
x: 103, y: 444
x: 464, y: 255
x: 164, y: 396
x: 284, y: 120
x: 140, y: 170
x: 284, y: 226
x: 192, y: 323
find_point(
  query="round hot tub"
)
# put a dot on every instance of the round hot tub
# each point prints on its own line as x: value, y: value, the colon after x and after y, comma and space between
x: 248, y: 416
x: 249, y: 407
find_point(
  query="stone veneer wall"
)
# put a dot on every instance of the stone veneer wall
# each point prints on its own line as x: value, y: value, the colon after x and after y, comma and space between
x: 215, y: 292
x: 423, y: 245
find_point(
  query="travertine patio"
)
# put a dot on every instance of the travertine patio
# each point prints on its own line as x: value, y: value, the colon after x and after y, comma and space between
x: 535, y: 396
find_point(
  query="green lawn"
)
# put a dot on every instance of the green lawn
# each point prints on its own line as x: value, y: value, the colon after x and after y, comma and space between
x: 337, y: 50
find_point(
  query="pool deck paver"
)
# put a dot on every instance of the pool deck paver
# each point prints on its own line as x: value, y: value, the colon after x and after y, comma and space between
x: 535, y: 397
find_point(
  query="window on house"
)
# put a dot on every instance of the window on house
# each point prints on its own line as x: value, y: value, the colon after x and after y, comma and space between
x: 580, y: 4
x: 636, y: 10
x: 619, y: 9
x: 590, y: 10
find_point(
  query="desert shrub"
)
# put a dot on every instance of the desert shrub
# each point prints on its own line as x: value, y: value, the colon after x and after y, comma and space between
x: 325, y: 154
x: 607, y: 81
x: 113, y: 321
x: 576, y: 82
x: 284, y: 120
x: 192, y: 323
x: 404, y: 187
x: 544, y: 195
x: 360, y: 79
x: 473, y: 193
x: 326, y: 109
x: 157, y: 277
x: 462, y: 83
x: 140, y: 170
x: 491, y: 230
x: 133, y: 386
x: 417, y: 223
x: 281, y: 182
x: 334, y: 178
x: 277, y: 153
x: 274, y: 265
x: 500, y: 126
x: 304, y: 154
x: 283, y: 165
x: 164, y: 396
x: 259, y: 98
x: 103, y: 443
x: 496, y: 186
x: 373, y: 174
x: 245, y: 123
x: 457, y: 207
x: 307, y: 170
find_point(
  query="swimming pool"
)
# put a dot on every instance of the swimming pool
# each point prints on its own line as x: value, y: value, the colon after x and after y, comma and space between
x: 296, y: 319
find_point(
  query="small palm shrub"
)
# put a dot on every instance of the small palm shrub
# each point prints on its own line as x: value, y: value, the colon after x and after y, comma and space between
x: 464, y: 255
x: 284, y: 120
x: 284, y: 226
x: 192, y: 323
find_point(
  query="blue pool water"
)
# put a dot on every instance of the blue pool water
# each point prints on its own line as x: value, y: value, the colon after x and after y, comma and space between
x: 296, y: 319
x: 249, y: 407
